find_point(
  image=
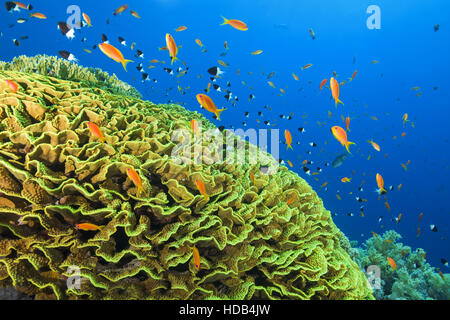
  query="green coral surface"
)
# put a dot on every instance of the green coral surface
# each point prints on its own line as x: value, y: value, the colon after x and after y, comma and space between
x: 54, y: 174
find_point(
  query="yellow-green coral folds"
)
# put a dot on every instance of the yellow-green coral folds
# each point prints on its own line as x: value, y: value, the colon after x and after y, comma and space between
x: 55, y: 174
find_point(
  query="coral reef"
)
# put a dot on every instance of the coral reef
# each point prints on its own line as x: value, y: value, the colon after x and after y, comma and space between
x: 63, y: 69
x: 413, y: 279
x: 259, y: 236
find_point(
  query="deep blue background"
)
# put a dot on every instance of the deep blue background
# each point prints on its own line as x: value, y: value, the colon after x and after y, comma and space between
x: 410, y: 54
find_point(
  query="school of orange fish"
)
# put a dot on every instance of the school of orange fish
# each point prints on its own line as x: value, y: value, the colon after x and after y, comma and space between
x: 338, y: 132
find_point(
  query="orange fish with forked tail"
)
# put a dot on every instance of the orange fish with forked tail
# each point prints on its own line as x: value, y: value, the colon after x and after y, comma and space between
x: 380, y: 184
x: 114, y: 53
x: 196, y: 258
x: 87, y: 19
x: 288, y: 137
x: 134, y: 176
x: 237, y: 24
x: 374, y: 145
x: 120, y: 9
x: 88, y: 227
x: 12, y: 85
x: 347, y: 123
x: 341, y: 136
x: 194, y: 126
x: 173, y: 49
x: 334, y: 86
x: 38, y: 15
x: 392, y: 263
x: 201, y: 188
x: 324, y: 81
x: 207, y: 103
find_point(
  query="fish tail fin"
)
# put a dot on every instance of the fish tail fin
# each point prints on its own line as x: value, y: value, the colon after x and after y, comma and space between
x: 348, y: 144
x: 339, y: 101
x: 101, y: 228
x: 225, y: 21
x: 289, y: 147
x: 125, y: 62
x: 174, y: 59
x: 218, y: 112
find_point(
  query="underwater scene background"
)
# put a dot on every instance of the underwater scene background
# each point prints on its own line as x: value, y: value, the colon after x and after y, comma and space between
x: 390, y: 61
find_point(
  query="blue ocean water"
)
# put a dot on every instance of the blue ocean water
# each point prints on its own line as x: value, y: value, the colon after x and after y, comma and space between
x: 409, y: 51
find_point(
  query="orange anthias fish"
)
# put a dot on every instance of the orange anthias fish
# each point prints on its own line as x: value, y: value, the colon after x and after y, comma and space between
x: 353, y: 75
x: 38, y: 15
x: 23, y: 6
x: 347, y: 123
x: 405, y: 118
x: 288, y: 137
x: 114, y: 53
x: 420, y: 216
x: 291, y: 199
x: 198, y: 41
x: 345, y: 180
x: 196, y: 258
x: 257, y: 52
x: 87, y: 19
x: 324, y: 81
x: 392, y: 263
x: 182, y: 28
x: 237, y: 24
x: 135, y: 14
x: 96, y: 132
x: 309, y: 65
x: 173, y: 49
x: 341, y: 136
x: 399, y: 217
x: 380, y: 184
x: 120, y: 9
x: 252, y: 176
x: 88, y: 227
x: 295, y: 77
x: 374, y: 145
x: 418, y: 232
x: 194, y: 126
x: 334, y: 86
x: 201, y: 188
x: 207, y: 103
x: 12, y: 85
x: 134, y: 176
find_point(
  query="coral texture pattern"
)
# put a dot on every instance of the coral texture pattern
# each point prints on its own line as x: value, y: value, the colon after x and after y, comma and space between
x: 55, y: 174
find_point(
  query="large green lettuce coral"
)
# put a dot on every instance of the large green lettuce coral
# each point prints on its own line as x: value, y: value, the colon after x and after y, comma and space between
x: 54, y: 174
x: 66, y: 70
x: 413, y: 279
